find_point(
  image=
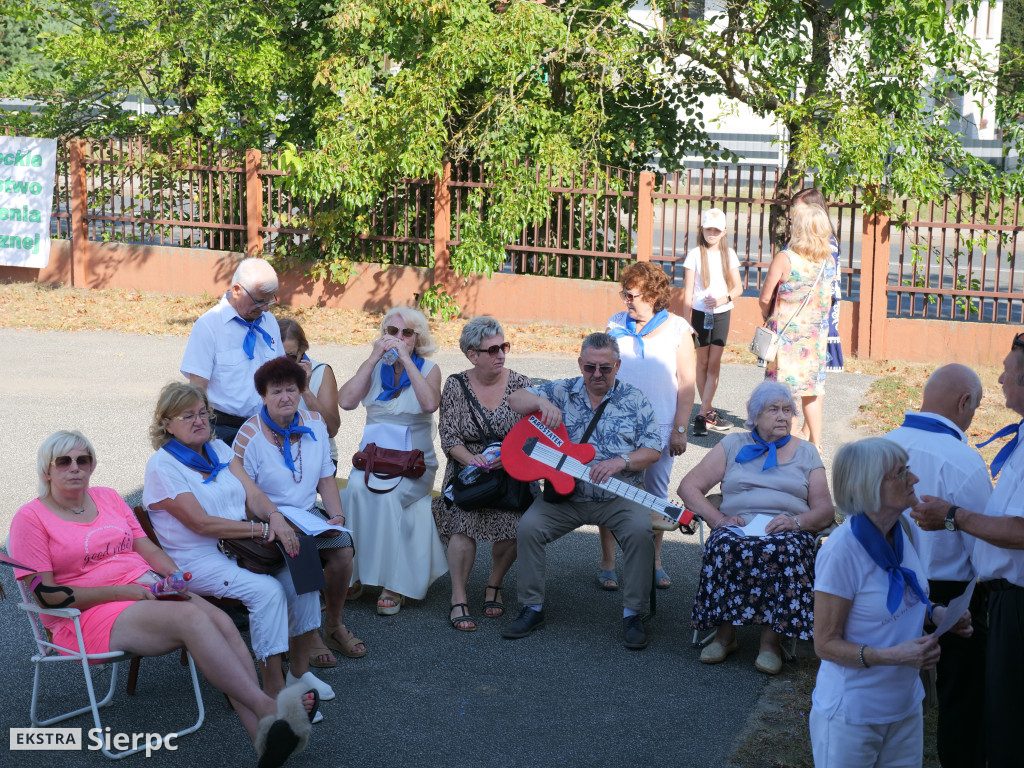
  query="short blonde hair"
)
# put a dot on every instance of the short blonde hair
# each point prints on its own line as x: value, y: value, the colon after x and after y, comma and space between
x: 416, y: 320
x: 174, y: 399
x: 58, y: 444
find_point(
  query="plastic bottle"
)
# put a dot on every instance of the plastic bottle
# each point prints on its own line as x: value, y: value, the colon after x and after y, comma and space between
x: 709, y: 319
x: 390, y: 357
x: 173, y: 584
x: 470, y: 473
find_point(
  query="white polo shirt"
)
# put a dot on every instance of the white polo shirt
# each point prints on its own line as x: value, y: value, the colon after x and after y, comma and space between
x: 950, y: 469
x: 214, y: 351
x: 1007, y: 500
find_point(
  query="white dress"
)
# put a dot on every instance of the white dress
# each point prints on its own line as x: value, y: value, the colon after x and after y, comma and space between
x: 654, y: 374
x: 396, y: 542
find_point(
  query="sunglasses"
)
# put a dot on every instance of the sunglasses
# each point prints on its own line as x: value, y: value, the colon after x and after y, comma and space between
x: 63, y: 462
x: 495, y: 349
x: 626, y: 296
x: 592, y: 367
x: 1018, y: 342
x: 406, y: 332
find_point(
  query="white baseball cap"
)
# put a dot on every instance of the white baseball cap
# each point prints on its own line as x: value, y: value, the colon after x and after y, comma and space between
x: 713, y: 219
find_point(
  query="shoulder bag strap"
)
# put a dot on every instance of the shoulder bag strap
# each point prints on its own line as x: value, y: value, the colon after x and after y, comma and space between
x: 484, y: 422
x: 597, y: 415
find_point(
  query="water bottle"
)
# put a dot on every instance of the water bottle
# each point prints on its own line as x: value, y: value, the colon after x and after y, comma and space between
x: 172, y: 585
x: 390, y: 357
x: 709, y: 319
x: 470, y: 474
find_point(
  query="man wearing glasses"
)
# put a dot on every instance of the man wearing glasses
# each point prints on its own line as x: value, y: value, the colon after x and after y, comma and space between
x: 230, y: 341
x: 947, y: 467
x: 998, y: 558
x: 628, y: 440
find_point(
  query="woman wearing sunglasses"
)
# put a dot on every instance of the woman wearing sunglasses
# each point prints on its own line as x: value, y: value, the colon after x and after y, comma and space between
x: 656, y: 349
x: 475, y: 414
x: 88, y: 552
x: 396, y: 541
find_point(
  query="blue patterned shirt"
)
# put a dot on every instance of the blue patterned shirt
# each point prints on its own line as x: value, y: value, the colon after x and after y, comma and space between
x: 628, y: 423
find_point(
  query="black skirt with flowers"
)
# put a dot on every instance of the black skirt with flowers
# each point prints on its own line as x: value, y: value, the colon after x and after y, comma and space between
x: 748, y: 580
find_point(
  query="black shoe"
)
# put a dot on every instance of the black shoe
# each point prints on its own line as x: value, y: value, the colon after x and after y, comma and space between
x: 700, y: 426
x: 635, y: 634
x: 524, y: 625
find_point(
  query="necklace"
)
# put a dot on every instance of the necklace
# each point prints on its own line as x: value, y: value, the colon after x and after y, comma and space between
x: 280, y: 446
x: 72, y: 510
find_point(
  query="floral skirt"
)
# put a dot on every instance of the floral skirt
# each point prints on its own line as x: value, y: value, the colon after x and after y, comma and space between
x: 767, y: 581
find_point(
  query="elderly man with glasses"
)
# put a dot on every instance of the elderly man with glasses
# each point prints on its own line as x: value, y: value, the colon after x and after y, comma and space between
x: 998, y: 559
x: 619, y: 421
x: 230, y: 341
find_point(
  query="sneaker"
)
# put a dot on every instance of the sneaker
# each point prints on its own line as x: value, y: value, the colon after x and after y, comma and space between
x: 700, y: 426
x: 716, y: 422
x: 634, y: 634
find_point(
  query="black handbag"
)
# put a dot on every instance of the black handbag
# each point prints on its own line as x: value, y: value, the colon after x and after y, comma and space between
x: 495, y: 489
x: 550, y: 494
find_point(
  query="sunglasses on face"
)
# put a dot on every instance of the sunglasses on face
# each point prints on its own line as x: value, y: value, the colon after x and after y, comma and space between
x: 63, y: 462
x: 495, y: 349
x: 406, y: 332
x: 591, y: 368
x: 627, y: 296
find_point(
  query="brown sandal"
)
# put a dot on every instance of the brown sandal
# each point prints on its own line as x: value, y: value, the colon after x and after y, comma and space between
x: 346, y: 645
x: 317, y: 651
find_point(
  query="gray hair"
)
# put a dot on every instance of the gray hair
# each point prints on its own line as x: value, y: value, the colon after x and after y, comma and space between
x: 416, y: 320
x: 255, y: 274
x: 478, y: 329
x: 58, y: 444
x: 766, y: 393
x: 858, y: 471
x: 600, y: 341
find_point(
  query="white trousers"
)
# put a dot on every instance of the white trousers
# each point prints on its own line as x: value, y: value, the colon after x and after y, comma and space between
x: 656, y: 476
x: 276, y: 612
x: 837, y: 744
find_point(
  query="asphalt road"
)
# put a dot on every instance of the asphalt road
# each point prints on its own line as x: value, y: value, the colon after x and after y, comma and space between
x: 425, y: 695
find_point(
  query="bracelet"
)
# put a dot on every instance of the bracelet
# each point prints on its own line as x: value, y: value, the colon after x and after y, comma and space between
x: 252, y: 529
x: 797, y: 521
x: 266, y: 530
x: 861, y: 656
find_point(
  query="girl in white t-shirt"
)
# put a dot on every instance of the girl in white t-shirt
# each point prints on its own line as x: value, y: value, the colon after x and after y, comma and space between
x: 712, y: 274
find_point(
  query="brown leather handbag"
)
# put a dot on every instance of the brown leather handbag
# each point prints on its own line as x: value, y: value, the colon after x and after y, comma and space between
x: 388, y: 464
x: 254, y: 555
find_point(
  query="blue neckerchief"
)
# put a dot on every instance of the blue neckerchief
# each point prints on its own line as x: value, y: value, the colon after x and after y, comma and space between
x: 751, y: 452
x: 387, y: 378
x: 249, y: 342
x: 286, y: 434
x: 630, y: 330
x: 928, y: 424
x: 194, y: 460
x: 888, y: 559
x: 1006, y: 450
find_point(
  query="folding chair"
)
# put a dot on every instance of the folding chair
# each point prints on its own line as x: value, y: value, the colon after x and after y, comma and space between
x: 48, y: 652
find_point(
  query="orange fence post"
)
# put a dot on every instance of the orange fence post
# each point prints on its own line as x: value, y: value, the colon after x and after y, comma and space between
x: 253, y: 202
x: 645, y: 217
x: 77, y: 151
x: 874, y: 274
x: 442, y: 226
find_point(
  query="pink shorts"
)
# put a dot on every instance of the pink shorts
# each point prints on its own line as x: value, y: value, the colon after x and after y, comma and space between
x: 97, y: 622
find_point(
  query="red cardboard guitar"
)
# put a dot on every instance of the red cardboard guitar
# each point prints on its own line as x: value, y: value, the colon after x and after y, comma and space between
x: 532, y: 451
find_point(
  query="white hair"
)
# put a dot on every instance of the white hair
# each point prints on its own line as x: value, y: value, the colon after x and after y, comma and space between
x: 59, y: 444
x: 255, y: 274
x: 416, y: 320
x: 858, y: 471
x: 766, y: 393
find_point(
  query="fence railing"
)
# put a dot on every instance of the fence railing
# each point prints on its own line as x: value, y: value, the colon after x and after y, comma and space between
x: 954, y: 259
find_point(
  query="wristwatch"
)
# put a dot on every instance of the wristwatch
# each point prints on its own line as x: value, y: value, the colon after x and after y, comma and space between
x: 951, y: 518
x: 625, y: 458
x: 681, y: 429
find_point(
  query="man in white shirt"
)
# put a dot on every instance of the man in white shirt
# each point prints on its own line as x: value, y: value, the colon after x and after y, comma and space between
x: 230, y: 341
x: 998, y: 558
x: 948, y: 468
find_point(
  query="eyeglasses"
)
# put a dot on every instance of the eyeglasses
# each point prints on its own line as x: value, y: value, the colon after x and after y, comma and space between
x: 626, y: 296
x: 406, y: 332
x: 1018, y: 342
x: 591, y: 368
x: 495, y: 349
x: 63, y: 462
x: 263, y: 303
x: 188, y: 416
x: 901, y: 474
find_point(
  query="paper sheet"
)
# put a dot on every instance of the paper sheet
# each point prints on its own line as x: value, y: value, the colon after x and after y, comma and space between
x: 394, y: 436
x: 956, y: 609
x: 755, y: 528
x: 309, y: 523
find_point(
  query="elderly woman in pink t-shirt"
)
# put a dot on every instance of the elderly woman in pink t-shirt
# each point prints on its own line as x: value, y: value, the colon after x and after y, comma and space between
x: 87, y: 551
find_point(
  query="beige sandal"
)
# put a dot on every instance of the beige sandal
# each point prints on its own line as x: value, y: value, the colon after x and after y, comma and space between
x: 346, y: 645
x: 317, y: 651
